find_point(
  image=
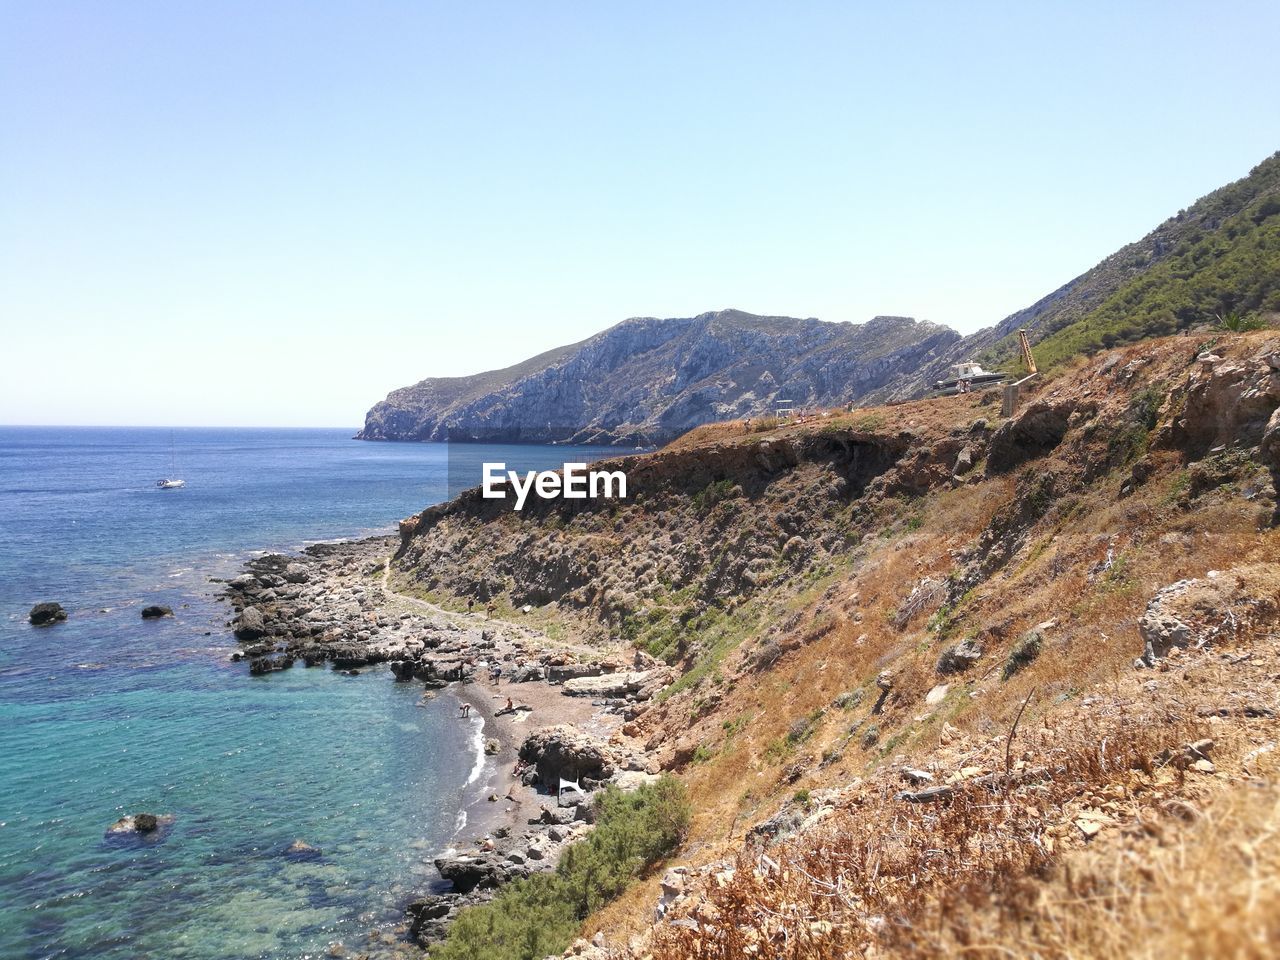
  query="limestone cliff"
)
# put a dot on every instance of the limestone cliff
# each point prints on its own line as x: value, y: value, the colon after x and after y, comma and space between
x: 649, y: 380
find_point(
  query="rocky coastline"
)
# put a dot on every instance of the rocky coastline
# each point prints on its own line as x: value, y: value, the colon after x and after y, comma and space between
x: 548, y: 710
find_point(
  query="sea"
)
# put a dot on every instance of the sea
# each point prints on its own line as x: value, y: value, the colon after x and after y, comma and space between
x: 107, y: 714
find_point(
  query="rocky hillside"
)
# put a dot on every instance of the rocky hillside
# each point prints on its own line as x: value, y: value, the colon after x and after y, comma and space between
x: 648, y: 380
x: 943, y: 683
x: 1218, y: 256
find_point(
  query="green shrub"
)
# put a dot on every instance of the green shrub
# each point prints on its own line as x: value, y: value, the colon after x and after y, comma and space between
x: 1023, y: 654
x: 869, y: 736
x: 1234, y: 321
x: 714, y: 492
x: 539, y: 916
x: 848, y: 700
x: 802, y: 728
x: 1129, y: 441
x: 702, y: 754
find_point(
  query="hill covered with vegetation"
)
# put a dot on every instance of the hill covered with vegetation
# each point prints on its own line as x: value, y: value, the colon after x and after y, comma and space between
x: 1219, y: 257
x: 1217, y: 262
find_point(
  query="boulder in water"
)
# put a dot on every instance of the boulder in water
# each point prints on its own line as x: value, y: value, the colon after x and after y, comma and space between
x: 155, y: 612
x: 140, y: 825
x: 263, y: 665
x: 45, y: 614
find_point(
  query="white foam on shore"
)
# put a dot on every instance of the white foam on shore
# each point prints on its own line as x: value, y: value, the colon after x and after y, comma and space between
x: 478, y: 740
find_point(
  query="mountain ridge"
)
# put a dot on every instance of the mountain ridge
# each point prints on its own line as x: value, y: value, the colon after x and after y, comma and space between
x: 648, y: 379
x: 1220, y: 255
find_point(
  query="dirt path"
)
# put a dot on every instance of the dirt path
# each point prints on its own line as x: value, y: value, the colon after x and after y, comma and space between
x: 472, y: 619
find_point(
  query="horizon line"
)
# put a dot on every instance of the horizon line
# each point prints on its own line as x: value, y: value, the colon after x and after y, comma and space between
x: 166, y: 426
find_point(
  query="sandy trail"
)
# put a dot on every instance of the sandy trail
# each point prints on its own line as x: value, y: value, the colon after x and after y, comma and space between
x: 476, y: 619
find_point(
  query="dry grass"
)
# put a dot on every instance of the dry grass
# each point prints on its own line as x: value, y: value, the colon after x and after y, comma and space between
x: 1005, y: 872
x: 881, y: 871
x: 986, y: 874
x: 1211, y: 889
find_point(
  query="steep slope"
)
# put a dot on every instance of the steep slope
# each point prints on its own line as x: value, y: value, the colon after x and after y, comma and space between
x: 1221, y: 254
x: 649, y: 380
x: 939, y: 673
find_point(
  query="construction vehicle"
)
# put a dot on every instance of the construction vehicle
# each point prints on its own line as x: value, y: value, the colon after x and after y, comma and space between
x: 970, y: 375
x: 1025, y: 346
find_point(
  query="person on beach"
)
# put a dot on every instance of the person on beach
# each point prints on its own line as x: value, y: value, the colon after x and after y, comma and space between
x: 466, y: 710
x: 488, y: 610
x: 495, y: 673
x: 511, y: 707
x: 471, y: 605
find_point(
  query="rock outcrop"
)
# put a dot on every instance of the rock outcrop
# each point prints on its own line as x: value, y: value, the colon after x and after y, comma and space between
x: 565, y: 753
x: 1203, y: 610
x: 959, y: 657
x: 250, y: 624
x: 467, y: 873
x: 156, y: 612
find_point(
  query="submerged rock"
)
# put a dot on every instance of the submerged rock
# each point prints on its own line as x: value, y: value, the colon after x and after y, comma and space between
x: 301, y: 850
x: 44, y: 614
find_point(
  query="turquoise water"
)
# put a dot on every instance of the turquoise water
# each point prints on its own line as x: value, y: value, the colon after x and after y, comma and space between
x: 107, y: 714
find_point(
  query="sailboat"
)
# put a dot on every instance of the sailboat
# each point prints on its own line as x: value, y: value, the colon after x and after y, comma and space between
x: 172, y: 482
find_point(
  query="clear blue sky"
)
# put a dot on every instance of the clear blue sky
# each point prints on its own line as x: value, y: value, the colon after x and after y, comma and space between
x: 273, y: 213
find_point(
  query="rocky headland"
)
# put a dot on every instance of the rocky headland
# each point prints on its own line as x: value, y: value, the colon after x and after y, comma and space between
x: 648, y: 380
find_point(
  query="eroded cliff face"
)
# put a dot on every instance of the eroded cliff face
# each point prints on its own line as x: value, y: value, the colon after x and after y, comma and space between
x: 727, y: 512
x: 648, y: 380
x: 703, y: 527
